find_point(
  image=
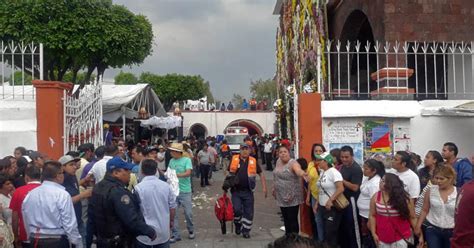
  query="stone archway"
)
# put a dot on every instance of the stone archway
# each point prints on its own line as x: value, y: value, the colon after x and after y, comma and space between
x: 357, y: 27
x: 198, y: 130
x: 253, y: 127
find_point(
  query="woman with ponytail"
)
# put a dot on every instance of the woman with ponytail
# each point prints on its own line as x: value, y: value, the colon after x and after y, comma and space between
x: 373, y: 170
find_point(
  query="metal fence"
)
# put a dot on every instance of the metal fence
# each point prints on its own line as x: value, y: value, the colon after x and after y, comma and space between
x: 403, y: 71
x: 83, y: 117
x: 20, y: 63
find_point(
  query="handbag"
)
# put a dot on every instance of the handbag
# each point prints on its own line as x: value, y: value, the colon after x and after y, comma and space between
x: 341, y: 201
x: 409, y: 243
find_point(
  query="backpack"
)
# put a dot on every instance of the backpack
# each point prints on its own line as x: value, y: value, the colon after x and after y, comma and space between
x: 224, y: 211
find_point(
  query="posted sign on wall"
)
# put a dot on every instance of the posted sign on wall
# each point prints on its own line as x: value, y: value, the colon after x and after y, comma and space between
x: 339, y: 133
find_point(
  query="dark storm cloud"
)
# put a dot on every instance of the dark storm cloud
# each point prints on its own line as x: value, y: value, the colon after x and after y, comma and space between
x: 228, y: 42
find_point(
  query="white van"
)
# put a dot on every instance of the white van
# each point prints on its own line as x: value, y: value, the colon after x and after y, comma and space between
x: 235, y: 137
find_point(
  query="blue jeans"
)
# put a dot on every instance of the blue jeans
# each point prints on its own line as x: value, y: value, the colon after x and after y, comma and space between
x: 184, y: 200
x: 437, y: 237
x: 318, y: 218
x: 83, y: 231
x: 138, y: 244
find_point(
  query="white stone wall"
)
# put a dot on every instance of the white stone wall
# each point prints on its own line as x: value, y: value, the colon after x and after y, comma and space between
x: 17, y: 126
x: 426, y: 133
x: 216, y: 122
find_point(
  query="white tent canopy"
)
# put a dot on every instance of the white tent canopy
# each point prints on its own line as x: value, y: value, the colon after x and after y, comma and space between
x: 162, y: 122
x: 119, y: 100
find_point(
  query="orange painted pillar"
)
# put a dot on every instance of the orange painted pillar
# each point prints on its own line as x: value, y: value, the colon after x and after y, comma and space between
x: 310, y: 125
x: 50, y: 117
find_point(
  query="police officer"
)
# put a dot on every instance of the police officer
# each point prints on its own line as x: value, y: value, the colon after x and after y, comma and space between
x: 245, y: 168
x: 115, y: 211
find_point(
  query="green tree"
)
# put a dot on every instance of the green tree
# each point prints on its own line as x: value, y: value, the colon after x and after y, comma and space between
x: 125, y: 78
x: 237, y: 101
x: 174, y: 87
x: 89, y: 35
x: 80, y: 77
x: 18, y: 78
x: 264, y: 89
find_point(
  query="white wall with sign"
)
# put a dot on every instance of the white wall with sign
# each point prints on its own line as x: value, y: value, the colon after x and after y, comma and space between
x: 338, y: 132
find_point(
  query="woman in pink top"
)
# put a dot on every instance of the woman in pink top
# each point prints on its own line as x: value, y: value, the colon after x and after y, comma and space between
x: 391, y: 214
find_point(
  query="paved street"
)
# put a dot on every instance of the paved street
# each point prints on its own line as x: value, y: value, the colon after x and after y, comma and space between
x: 208, y: 234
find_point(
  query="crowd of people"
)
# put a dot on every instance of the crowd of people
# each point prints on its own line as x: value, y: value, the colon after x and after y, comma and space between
x: 201, y: 105
x: 407, y: 203
x: 128, y: 195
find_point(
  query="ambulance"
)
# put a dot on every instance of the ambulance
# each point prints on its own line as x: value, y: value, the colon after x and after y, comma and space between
x: 235, y: 137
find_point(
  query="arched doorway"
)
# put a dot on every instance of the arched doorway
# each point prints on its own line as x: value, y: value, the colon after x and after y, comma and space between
x: 357, y: 27
x: 253, y: 127
x: 198, y: 130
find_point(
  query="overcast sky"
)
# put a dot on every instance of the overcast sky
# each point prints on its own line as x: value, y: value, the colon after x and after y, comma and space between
x: 227, y: 42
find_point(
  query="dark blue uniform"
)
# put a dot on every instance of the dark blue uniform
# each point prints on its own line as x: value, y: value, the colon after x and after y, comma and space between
x: 116, y: 215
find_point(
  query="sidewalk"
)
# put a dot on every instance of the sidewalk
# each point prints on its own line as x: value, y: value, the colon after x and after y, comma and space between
x: 266, y: 224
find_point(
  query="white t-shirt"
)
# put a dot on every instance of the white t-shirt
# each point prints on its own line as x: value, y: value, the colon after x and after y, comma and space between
x: 99, y: 169
x: 328, y: 180
x: 162, y: 164
x: 267, y: 147
x: 367, y: 189
x: 411, y: 182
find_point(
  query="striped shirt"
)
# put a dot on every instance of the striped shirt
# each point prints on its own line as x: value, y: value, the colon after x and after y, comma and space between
x: 389, y: 224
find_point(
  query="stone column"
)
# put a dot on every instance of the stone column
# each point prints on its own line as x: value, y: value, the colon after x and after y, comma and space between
x: 310, y: 125
x: 50, y: 116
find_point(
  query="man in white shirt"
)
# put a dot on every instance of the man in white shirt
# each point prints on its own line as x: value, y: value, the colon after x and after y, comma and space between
x: 100, y: 168
x: 158, y: 204
x: 268, y: 151
x: 401, y: 164
x: 48, y: 212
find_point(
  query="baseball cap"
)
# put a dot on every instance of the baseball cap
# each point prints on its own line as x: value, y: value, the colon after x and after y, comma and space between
x: 244, y: 145
x: 35, y: 155
x: 326, y: 157
x: 118, y: 163
x: 67, y: 159
x: 151, y: 148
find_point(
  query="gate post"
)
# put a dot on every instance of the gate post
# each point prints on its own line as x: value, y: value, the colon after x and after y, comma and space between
x: 50, y: 116
x: 310, y: 125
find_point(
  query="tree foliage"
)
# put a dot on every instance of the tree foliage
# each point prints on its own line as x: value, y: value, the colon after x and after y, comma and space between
x: 237, y: 101
x: 125, y: 78
x: 174, y: 87
x: 80, y: 77
x: 264, y: 89
x: 18, y: 78
x: 91, y: 34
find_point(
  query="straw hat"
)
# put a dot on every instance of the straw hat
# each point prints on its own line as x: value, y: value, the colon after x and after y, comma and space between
x: 177, y: 147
